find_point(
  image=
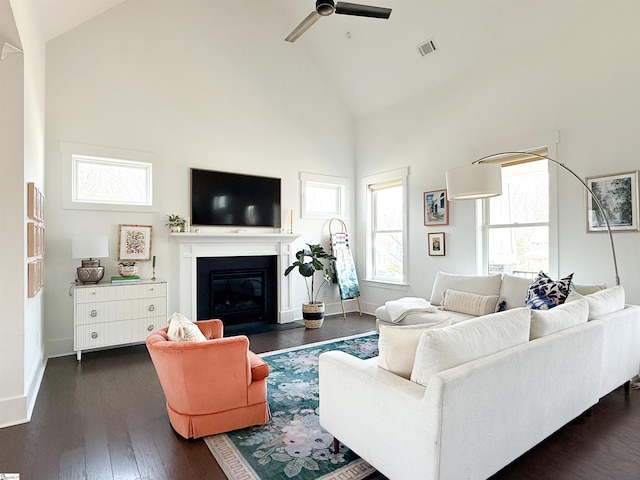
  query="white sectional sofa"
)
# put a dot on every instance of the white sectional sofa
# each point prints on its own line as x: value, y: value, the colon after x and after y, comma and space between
x: 483, y: 390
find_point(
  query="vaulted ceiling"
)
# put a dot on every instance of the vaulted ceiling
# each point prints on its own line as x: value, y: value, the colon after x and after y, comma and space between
x: 374, y: 63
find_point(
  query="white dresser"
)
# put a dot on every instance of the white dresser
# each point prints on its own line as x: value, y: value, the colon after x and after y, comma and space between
x: 109, y: 314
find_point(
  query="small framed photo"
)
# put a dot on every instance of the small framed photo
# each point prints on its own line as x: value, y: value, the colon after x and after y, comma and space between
x: 436, y: 208
x: 436, y: 244
x: 134, y: 242
x: 618, y: 195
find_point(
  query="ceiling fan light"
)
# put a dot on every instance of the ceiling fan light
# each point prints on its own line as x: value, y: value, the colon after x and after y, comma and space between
x: 325, y: 7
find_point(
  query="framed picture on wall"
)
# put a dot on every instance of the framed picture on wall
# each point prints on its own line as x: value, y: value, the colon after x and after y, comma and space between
x: 436, y: 208
x: 618, y: 195
x: 134, y: 242
x: 436, y: 244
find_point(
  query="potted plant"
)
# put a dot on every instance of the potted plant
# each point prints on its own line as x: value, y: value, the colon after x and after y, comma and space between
x: 309, y: 263
x: 176, y: 223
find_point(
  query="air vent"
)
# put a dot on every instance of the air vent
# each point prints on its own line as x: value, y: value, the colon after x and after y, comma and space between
x: 427, y: 47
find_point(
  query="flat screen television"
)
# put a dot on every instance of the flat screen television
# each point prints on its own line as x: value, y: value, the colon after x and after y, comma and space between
x: 234, y: 199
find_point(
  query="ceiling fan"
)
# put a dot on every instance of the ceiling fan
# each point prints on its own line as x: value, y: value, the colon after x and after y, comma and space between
x: 327, y: 7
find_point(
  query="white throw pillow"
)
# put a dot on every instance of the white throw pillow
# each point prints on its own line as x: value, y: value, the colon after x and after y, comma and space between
x: 513, y: 291
x: 569, y: 314
x: 469, y: 303
x: 605, y: 301
x: 397, y: 346
x: 480, y: 284
x: 181, y: 329
x: 445, y: 348
x: 587, y: 288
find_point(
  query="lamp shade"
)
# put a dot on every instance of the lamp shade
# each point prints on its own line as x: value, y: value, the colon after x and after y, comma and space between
x: 90, y: 246
x: 477, y: 180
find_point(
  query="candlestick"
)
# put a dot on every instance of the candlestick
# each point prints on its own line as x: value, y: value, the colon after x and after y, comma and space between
x: 153, y: 265
x: 291, y: 220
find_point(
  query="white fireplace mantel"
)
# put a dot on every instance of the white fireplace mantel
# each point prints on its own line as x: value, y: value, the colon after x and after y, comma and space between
x: 188, y: 247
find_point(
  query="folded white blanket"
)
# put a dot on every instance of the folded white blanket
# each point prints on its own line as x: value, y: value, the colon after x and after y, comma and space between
x: 398, y: 309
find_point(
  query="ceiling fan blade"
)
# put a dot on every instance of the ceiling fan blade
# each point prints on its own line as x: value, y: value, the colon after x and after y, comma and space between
x: 345, y: 8
x: 303, y: 26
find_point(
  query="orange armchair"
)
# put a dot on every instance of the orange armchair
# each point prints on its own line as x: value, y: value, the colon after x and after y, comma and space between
x: 211, y: 387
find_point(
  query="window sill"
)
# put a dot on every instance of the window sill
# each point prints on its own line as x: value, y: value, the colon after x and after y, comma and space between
x: 385, y: 284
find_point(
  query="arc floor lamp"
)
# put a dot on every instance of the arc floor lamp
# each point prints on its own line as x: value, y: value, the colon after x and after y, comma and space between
x: 482, y: 180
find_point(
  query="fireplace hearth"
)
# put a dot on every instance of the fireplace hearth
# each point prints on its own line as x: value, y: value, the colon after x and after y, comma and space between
x: 237, y: 290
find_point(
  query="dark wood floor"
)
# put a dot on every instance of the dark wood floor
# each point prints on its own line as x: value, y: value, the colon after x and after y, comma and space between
x: 105, y: 418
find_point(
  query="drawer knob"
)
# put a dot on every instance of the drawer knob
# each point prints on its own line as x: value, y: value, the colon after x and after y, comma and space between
x: 94, y: 313
x: 150, y: 328
x: 94, y: 334
x: 151, y: 308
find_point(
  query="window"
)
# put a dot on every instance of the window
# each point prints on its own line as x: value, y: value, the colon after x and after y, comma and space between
x: 516, y: 224
x: 386, y: 243
x: 105, y: 178
x: 323, y: 196
x: 110, y: 180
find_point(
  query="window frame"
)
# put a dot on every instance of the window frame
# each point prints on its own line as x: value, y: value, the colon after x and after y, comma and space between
x: 398, y: 175
x: 338, y: 184
x: 483, y: 205
x: 71, y: 151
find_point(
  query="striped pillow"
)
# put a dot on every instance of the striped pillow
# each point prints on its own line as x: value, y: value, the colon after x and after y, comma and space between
x: 469, y: 303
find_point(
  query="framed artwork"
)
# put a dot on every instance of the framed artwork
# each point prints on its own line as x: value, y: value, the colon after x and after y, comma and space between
x: 618, y: 195
x: 134, y: 242
x: 436, y: 208
x: 436, y: 244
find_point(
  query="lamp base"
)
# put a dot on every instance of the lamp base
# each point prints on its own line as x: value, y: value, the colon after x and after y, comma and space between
x: 90, y: 271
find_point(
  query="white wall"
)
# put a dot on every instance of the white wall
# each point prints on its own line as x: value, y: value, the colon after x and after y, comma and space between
x: 580, y: 81
x: 22, y: 157
x: 197, y: 85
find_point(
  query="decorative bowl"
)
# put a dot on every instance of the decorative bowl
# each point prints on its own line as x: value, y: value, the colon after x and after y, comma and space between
x: 127, y: 270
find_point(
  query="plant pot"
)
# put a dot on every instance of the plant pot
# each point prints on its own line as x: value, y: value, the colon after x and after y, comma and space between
x: 175, y: 229
x: 313, y: 314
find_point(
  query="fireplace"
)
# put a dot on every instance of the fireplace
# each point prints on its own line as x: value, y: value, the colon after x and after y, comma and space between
x: 237, y: 290
x: 188, y: 249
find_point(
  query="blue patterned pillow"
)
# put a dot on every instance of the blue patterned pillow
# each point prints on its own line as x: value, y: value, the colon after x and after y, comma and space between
x: 544, y: 293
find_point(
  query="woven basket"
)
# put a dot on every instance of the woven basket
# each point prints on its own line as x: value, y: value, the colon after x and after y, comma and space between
x: 313, y: 314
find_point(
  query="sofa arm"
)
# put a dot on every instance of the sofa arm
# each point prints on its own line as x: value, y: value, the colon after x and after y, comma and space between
x: 375, y: 412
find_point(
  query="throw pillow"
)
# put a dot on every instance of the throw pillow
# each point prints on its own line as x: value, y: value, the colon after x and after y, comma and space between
x: 480, y: 284
x: 544, y: 293
x: 469, y: 303
x: 445, y: 348
x: 587, y: 288
x: 397, y: 346
x: 513, y: 290
x: 181, y: 329
x: 570, y: 313
x: 605, y: 301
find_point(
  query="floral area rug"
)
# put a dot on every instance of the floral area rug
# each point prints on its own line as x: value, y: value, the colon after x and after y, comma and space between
x: 293, y: 444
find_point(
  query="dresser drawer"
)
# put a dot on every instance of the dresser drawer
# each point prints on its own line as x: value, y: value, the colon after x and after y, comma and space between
x: 120, y: 292
x: 116, y: 333
x: 96, y: 312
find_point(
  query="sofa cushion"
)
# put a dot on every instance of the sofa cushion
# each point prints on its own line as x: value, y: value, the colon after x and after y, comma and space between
x: 569, y: 314
x: 587, y: 288
x: 181, y: 329
x: 605, y: 301
x: 513, y: 290
x: 469, y: 303
x: 397, y: 346
x: 480, y: 284
x: 545, y: 293
x: 444, y: 348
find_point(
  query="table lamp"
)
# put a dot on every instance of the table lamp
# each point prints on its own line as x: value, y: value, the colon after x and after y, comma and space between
x: 90, y: 246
